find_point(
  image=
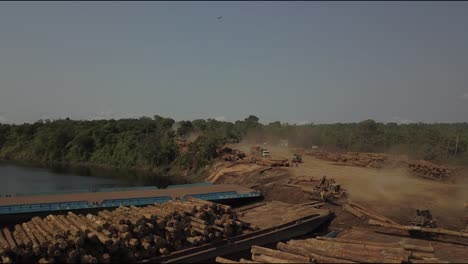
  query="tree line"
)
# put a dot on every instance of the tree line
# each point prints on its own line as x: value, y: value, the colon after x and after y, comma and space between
x: 151, y: 143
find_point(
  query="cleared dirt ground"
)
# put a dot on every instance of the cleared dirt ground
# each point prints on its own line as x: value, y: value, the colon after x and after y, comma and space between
x: 391, y: 192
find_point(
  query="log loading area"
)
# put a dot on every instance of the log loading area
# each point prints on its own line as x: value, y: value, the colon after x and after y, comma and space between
x: 183, y: 230
x: 22, y: 206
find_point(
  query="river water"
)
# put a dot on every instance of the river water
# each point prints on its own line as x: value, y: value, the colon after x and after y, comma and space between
x: 21, y: 178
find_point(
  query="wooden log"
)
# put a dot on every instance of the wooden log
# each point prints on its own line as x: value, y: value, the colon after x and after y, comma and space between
x: 268, y: 259
x: 54, y: 233
x: 38, y: 226
x: 87, y: 221
x: 198, y: 220
x: 26, y: 240
x: 421, y: 229
x: 223, y: 260
x: 280, y: 255
x: 101, y: 237
x: 73, y: 229
x: 83, y: 228
x: 57, y: 223
x: 37, y: 244
x: 421, y: 255
x: 345, y: 253
x: 99, y: 221
x: 198, y: 225
x: 4, y: 243
x: 395, y: 245
x: 194, y: 240
x: 428, y: 261
x: 11, y: 242
x: 429, y: 249
x: 18, y: 238
x: 242, y: 260
x: 398, y: 252
x: 354, y: 212
x: 371, y: 214
x: 305, y: 252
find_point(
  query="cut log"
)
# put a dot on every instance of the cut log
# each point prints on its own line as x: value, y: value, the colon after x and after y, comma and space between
x: 73, y: 229
x: 371, y: 214
x: 54, y: 233
x: 358, y: 254
x: 242, y: 260
x: 429, y: 249
x: 280, y: 255
x: 36, y: 243
x: 427, y: 261
x: 305, y: 252
x: 11, y: 242
x: 3, y: 242
x: 421, y: 255
x: 26, y: 240
x: 421, y: 229
x: 268, y: 259
x: 353, y: 211
x: 223, y: 260
x: 395, y: 245
x: 52, y: 219
x: 38, y: 227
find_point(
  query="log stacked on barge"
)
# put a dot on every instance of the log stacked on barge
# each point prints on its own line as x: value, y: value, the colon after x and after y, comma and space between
x: 126, y: 234
x: 337, y: 250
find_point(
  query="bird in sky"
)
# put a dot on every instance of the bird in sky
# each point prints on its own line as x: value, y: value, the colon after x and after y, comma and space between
x: 220, y: 17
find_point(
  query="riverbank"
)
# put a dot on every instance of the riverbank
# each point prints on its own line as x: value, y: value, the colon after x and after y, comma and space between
x: 134, y: 176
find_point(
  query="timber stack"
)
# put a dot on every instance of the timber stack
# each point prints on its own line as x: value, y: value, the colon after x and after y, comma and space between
x: 418, y: 168
x: 125, y: 234
x: 430, y: 170
x: 229, y: 154
x: 338, y: 250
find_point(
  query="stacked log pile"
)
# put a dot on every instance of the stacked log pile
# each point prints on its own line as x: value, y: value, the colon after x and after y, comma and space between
x: 125, y: 234
x: 373, y: 160
x: 270, y: 162
x: 229, y: 154
x: 337, y: 250
x: 418, y: 168
x: 430, y: 170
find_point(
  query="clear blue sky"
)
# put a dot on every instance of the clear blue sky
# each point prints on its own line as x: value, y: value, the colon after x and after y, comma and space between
x: 289, y: 61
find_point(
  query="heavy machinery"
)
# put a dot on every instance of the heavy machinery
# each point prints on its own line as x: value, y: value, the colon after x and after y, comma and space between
x: 260, y: 152
x: 296, y: 158
x: 327, y: 190
x: 423, y: 218
x: 256, y: 151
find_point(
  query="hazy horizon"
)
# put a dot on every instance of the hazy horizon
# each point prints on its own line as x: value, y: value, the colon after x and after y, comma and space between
x: 295, y: 62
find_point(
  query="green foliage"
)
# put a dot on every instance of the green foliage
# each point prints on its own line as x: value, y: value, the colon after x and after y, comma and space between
x: 150, y: 142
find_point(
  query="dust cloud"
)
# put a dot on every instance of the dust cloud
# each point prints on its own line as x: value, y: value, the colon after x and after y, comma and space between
x: 397, y: 192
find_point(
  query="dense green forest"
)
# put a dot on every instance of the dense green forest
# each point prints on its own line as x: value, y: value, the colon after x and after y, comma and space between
x: 150, y: 143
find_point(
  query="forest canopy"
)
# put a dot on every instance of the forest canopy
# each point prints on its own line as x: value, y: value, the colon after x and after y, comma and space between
x: 151, y: 142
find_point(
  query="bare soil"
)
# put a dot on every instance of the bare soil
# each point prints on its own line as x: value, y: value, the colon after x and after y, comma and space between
x: 393, y: 193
